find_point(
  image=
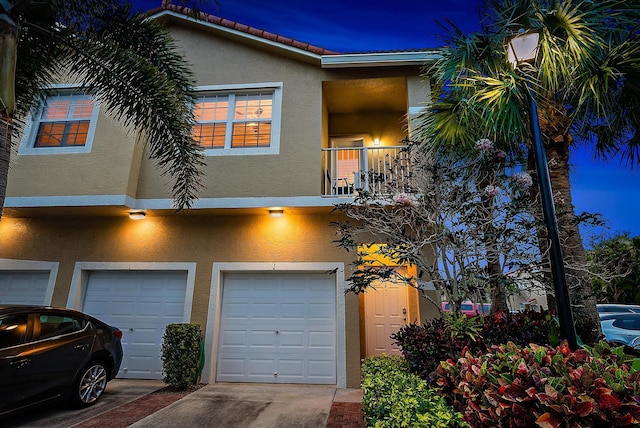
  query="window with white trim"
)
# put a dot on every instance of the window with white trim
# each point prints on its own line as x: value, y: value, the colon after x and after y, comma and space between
x: 244, y: 121
x: 64, y: 124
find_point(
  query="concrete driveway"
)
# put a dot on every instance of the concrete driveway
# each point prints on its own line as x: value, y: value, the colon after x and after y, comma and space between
x: 245, y: 405
x: 60, y: 415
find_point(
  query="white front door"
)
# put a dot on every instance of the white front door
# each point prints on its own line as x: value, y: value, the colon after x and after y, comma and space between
x: 385, y: 313
x: 141, y: 304
x: 23, y: 287
x: 277, y: 328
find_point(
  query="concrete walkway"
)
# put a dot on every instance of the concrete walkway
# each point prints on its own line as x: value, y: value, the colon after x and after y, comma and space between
x: 60, y: 415
x: 245, y: 405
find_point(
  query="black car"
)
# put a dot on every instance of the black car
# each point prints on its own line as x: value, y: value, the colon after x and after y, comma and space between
x: 51, y: 354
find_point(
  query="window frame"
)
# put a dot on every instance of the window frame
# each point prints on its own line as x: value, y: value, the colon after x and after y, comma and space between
x: 27, y: 143
x: 276, y: 116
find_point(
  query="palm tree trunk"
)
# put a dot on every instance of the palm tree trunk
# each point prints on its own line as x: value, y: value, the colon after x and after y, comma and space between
x: 583, y: 300
x: 8, y: 57
x: 5, y: 156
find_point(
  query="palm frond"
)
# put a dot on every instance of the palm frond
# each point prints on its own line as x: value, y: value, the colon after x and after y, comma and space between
x: 155, y: 97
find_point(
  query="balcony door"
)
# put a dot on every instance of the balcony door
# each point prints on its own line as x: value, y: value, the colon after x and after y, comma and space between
x: 346, y: 163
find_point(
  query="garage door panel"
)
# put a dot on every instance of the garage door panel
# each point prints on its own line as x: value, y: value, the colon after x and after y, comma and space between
x: 290, y: 338
x: 141, y: 304
x: 263, y: 311
x: 23, y: 287
x: 286, y: 322
x: 261, y: 339
x: 293, y: 311
x: 322, y: 339
x: 321, y: 311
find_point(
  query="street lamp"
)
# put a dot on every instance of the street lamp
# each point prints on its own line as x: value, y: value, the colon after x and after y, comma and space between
x: 523, y: 48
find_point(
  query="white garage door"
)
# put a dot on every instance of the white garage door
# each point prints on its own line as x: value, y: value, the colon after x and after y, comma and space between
x: 278, y: 328
x: 141, y: 304
x: 23, y: 287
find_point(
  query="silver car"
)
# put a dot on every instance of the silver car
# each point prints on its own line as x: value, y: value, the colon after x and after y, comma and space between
x: 622, y: 328
x: 607, y: 308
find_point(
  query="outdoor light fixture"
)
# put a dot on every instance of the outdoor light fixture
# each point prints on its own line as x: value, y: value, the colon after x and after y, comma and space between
x: 137, y: 215
x: 276, y: 212
x: 523, y: 48
x: 376, y: 142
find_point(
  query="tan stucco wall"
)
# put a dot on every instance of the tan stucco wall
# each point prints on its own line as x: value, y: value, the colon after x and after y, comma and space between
x: 202, y: 239
x: 77, y: 173
x: 296, y: 171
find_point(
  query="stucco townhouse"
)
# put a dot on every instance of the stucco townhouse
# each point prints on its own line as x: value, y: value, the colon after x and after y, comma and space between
x: 288, y: 130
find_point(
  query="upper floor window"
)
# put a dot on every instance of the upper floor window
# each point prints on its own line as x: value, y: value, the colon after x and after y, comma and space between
x: 241, y: 121
x: 64, y: 124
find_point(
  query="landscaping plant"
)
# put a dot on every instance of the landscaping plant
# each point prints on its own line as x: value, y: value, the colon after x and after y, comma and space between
x: 445, y: 338
x: 181, y: 356
x: 549, y: 387
x: 393, y: 397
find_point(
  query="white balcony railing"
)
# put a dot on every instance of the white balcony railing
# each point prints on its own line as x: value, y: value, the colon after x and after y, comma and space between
x: 349, y: 170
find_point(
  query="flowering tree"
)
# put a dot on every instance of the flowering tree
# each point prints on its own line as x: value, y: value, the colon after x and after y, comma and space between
x: 463, y: 220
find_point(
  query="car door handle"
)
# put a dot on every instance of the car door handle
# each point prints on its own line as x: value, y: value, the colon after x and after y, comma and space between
x: 20, y: 363
x: 81, y: 347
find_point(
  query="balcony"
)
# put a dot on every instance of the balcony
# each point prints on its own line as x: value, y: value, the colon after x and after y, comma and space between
x: 380, y: 170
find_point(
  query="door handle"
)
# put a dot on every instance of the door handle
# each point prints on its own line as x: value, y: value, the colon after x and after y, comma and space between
x: 20, y: 363
x: 81, y: 347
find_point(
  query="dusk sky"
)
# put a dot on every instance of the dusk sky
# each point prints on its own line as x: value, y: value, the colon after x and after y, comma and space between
x: 610, y: 189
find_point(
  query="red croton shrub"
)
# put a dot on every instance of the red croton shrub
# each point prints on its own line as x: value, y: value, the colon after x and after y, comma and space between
x: 513, y: 386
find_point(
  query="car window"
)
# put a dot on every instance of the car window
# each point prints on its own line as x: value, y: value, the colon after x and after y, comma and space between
x: 466, y: 307
x: 13, y: 330
x: 57, y: 325
x: 447, y: 307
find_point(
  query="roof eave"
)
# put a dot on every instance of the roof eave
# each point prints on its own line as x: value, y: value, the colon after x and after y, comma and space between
x: 309, y: 56
x: 379, y: 59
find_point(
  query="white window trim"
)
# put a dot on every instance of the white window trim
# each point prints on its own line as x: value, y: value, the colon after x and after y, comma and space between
x: 276, y: 117
x: 31, y: 128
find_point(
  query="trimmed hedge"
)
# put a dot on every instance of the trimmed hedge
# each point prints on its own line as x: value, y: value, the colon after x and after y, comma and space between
x: 393, y: 397
x: 181, y: 355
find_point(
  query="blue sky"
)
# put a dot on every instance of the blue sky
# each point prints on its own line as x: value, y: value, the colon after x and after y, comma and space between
x: 608, y: 188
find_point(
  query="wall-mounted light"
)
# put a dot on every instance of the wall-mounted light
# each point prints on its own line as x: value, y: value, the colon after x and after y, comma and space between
x: 376, y: 141
x: 137, y: 215
x: 276, y: 212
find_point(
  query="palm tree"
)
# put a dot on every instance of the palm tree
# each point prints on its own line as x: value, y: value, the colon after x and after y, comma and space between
x: 586, y: 81
x: 125, y: 60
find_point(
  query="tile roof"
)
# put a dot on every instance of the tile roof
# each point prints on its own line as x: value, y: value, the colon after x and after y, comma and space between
x: 168, y: 5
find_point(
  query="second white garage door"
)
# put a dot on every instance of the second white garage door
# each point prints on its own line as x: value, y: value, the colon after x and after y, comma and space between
x: 278, y: 328
x: 141, y: 304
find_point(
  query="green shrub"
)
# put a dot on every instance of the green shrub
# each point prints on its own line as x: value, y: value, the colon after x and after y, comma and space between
x: 443, y: 338
x: 393, y: 397
x: 548, y: 387
x: 181, y: 356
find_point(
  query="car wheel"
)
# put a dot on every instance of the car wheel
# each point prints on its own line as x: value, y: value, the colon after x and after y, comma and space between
x: 90, y: 385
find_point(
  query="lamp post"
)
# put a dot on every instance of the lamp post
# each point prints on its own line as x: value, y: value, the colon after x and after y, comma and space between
x: 524, y: 48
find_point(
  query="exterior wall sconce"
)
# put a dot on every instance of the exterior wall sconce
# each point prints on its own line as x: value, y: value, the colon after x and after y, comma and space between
x: 137, y: 215
x: 376, y: 141
x: 274, y: 212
